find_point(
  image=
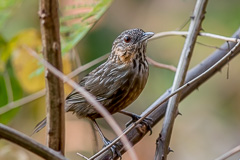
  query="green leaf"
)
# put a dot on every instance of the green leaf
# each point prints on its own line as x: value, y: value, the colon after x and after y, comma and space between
x: 16, y: 91
x: 3, y: 57
x: 75, y: 26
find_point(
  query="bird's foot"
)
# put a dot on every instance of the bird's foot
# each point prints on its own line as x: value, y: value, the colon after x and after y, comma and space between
x: 114, y: 148
x: 146, y: 121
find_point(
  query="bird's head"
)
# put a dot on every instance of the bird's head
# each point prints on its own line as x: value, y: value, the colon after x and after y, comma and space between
x: 129, y: 44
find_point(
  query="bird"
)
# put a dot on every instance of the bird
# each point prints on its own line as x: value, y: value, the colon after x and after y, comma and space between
x: 116, y: 83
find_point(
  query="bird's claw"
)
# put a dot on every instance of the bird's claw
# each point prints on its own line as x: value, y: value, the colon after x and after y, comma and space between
x: 114, y: 148
x: 145, y: 121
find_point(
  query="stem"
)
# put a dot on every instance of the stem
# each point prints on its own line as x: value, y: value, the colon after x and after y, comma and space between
x: 162, y: 148
x: 39, y: 94
x: 157, y: 110
x: 49, y: 21
x: 91, y: 100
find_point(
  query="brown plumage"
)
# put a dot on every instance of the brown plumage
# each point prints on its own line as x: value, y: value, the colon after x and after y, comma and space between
x: 117, y: 82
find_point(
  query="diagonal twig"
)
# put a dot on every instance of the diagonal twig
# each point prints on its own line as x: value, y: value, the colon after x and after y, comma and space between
x: 90, y: 99
x: 134, y: 135
x: 34, y: 96
x: 156, y: 111
x: 162, y: 100
x: 229, y: 153
x: 41, y: 93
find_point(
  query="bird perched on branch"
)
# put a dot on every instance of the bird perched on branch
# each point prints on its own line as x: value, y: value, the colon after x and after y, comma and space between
x: 117, y: 82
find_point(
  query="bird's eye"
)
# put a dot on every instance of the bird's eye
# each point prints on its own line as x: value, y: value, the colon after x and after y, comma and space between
x: 127, y: 39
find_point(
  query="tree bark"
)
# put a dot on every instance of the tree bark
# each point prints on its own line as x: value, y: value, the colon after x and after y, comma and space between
x: 49, y: 22
x: 162, y: 147
x: 138, y: 132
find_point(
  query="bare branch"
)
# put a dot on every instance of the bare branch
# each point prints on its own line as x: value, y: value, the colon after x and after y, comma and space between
x: 229, y: 153
x: 185, y: 33
x: 82, y: 156
x: 27, y: 99
x: 49, y: 20
x: 87, y: 66
x: 162, y: 148
x: 158, y: 108
x: 29, y: 144
x: 161, y: 65
x: 161, y: 100
x: 91, y: 100
x: 22, y: 101
x: 41, y: 93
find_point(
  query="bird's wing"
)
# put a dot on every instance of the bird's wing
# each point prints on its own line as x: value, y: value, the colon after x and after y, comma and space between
x: 102, y: 82
x: 76, y: 97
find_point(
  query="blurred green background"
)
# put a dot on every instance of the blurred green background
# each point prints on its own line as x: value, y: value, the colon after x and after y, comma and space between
x: 210, y: 123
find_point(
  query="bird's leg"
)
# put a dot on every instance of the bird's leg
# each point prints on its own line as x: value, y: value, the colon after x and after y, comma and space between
x: 136, y: 117
x: 106, y: 141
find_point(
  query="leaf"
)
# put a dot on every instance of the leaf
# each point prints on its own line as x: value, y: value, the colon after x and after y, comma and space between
x: 78, y: 19
x: 27, y: 69
x: 3, y: 57
x: 24, y: 65
x: 17, y: 93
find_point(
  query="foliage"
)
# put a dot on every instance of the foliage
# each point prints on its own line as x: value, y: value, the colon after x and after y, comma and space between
x: 7, y: 95
x: 75, y: 26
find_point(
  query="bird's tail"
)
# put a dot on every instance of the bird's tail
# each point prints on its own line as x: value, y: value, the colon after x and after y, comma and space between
x: 39, y: 126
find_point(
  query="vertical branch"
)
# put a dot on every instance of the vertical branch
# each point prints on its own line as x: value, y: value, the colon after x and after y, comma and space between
x: 49, y: 21
x: 162, y: 148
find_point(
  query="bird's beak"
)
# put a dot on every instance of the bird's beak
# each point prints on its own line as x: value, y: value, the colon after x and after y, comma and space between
x: 146, y: 36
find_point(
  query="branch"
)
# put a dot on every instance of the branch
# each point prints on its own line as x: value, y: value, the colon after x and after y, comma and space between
x: 160, y: 101
x: 29, y: 144
x: 158, y: 108
x: 163, y: 141
x: 161, y: 65
x: 49, y: 21
x: 185, y: 33
x: 90, y: 99
x: 39, y: 94
x: 229, y: 153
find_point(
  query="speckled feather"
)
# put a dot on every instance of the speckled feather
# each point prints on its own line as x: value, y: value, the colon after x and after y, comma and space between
x: 117, y: 82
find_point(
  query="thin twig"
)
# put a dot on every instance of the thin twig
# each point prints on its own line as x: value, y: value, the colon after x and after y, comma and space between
x: 157, y: 111
x: 185, y: 33
x: 22, y: 101
x: 41, y: 93
x: 91, y: 100
x: 183, y: 25
x: 229, y: 153
x: 82, y: 156
x: 209, y: 46
x: 219, y: 37
x: 157, y: 103
x: 161, y: 65
x: 87, y: 66
x: 161, y: 101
